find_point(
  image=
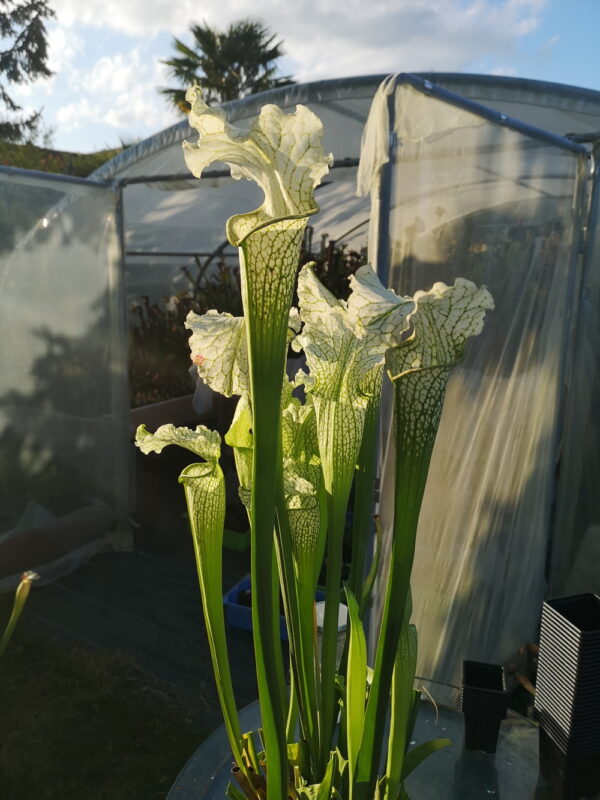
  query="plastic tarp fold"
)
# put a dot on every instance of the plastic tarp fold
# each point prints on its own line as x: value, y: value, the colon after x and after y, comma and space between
x: 473, y: 198
x: 575, y: 551
x: 63, y: 384
x: 167, y: 221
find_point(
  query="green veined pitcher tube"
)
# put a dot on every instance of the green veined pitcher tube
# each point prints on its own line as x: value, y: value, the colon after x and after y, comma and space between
x: 284, y: 155
x: 204, y: 487
x: 345, y: 345
x: 443, y: 319
x: 269, y: 258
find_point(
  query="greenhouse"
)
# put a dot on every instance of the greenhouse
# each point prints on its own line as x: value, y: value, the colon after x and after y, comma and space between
x: 487, y: 178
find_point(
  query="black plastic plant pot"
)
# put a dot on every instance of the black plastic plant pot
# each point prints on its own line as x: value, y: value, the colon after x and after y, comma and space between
x: 571, y: 778
x: 567, y: 700
x: 483, y: 699
x: 483, y: 688
x: 481, y: 732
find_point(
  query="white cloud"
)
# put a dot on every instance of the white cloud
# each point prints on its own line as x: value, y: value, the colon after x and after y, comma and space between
x: 74, y: 114
x: 325, y: 40
x: 321, y: 40
x: 64, y: 45
x: 119, y: 91
x: 136, y: 17
x: 508, y: 71
x: 441, y: 35
x: 112, y: 74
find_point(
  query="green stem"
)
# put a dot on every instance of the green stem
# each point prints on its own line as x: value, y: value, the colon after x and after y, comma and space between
x: 401, y: 708
x: 299, y: 600
x: 364, y: 486
x: 416, y: 425
x: 335, y: 534
x: 292, y: 716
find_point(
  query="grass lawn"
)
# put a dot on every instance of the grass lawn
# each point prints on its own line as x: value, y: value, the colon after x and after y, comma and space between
x: 78, y: 723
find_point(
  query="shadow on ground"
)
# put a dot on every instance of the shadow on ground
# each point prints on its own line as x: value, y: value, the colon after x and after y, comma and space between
x: 146, y: 603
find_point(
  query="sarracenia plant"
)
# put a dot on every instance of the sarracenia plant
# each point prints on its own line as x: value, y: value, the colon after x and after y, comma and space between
x: 298, y: 447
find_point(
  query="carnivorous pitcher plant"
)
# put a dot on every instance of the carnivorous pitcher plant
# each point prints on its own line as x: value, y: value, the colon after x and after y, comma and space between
x: 299, y: 446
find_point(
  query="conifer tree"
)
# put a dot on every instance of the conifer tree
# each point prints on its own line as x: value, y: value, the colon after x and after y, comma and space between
x: 23, y: 58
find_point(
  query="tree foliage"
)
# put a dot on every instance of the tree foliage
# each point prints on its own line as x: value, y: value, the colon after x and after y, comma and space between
x: 23, y: 58
x: 226, y: 65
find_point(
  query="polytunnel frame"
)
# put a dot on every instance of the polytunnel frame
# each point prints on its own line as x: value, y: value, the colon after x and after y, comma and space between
x: 122, y: 183
x: 587, y: 212
x: 123, y: 479
x: 588, y: 245
x: 327, y: 93
x: 589, y: 203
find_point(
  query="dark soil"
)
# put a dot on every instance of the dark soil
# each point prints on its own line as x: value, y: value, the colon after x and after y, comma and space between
x: 79, y: 722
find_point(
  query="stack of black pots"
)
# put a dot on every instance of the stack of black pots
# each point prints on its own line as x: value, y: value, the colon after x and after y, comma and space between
x: 483, y: 701
x: 567, y: 700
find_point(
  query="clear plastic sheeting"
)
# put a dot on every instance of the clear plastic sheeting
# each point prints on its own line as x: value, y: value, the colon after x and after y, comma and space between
x: 514, y: 488
x: 169, y: 221
x: 473, y: 198
x: 63, y: 407
x: 166, y: 228
x: 552, y: 107
x: 575, y: 555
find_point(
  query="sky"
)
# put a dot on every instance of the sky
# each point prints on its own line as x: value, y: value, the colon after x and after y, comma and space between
x: 106, y: 54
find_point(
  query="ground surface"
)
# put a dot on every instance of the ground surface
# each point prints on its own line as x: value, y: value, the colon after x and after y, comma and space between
x: 107, y: 688
x: 86, y: 724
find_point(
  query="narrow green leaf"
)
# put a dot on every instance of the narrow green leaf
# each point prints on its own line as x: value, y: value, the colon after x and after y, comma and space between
x: 298, y: 756
x: 402, y: 702
x: 291, y: 722
x: 369, y: 581
x: 364, y: 493
x: 250, y: 750
x: 414, y: 757
x: 235, y: 793
x: 326, y: 787
x: 356, y: 684
x: 414, y: 713
x: 239, y: 437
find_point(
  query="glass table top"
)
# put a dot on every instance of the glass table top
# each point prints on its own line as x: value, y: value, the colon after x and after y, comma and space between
x: 450, y: 774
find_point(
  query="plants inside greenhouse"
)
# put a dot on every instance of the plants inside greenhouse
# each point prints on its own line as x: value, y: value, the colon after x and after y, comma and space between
x: 297, y: 445
x: 158, y: 340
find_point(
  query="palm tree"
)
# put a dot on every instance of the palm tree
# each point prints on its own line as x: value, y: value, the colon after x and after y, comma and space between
x: 228, y: 65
